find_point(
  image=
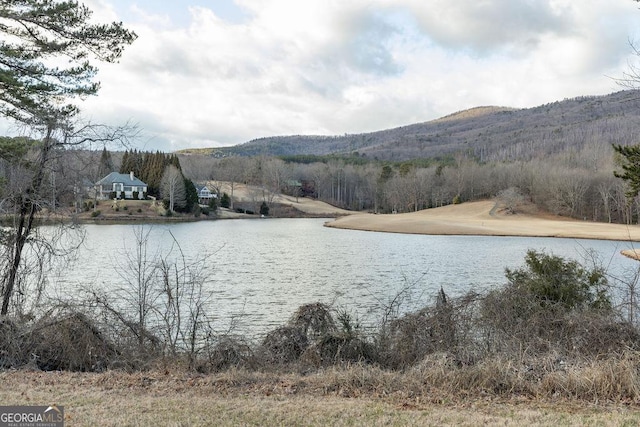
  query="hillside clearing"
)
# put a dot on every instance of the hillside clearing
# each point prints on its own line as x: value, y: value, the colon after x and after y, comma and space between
x: 243, y: 193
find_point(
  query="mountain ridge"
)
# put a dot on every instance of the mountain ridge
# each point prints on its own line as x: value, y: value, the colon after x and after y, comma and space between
x: 486, y: 132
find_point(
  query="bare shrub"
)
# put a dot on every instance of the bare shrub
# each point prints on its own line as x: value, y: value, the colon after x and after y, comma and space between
x: 60, y: 340
x: 415, y: 335
x: 442, y: 327
x: 313, y: 337
x: 70, y: 342
x: 284, y: 345
x: 12, y: 345
x: 513, y: 323
x: 314, y: 320
x: 227, y: 353
x: 137, y: 345
x: 336, y: 348
x: 347, y: 345
x: 181, y: 305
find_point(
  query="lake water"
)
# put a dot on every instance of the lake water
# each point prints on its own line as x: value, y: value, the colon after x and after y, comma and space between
x: 260, y: 271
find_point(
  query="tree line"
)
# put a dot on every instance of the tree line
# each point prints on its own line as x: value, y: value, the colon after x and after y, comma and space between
x: 577, y: 183
x: 149, y: 167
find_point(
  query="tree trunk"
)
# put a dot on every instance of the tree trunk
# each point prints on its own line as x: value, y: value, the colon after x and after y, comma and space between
x: 25, y: 221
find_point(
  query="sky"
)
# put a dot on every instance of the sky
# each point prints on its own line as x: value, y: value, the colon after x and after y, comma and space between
x: 208, y: 73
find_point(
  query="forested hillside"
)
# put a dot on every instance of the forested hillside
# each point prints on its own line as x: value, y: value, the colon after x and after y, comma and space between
x: 487, y: 133
x: 557, y: 156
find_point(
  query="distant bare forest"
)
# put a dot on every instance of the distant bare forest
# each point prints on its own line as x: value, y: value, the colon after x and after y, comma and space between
x: 558, y: 156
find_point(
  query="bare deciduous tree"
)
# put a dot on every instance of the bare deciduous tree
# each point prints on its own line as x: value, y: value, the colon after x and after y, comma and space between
x: 172, y: 187
x: 233, y: 170
x: 183, y: 303
x: 31, y: 164
x: 511, y: 199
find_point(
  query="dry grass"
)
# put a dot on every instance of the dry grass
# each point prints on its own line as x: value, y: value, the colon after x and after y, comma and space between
x: 355, y: 396
x: 478, y: 218
x: 243, y: 193
x: 126, y: 210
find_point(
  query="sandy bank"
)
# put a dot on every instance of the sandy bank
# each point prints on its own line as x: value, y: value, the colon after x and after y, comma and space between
x: 480, y: 218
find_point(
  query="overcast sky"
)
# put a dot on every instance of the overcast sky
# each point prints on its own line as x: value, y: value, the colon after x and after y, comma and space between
x: 221, y: 72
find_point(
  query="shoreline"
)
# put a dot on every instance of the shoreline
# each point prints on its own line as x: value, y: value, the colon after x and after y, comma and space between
x: 481, y: 218
x: 477, y: 218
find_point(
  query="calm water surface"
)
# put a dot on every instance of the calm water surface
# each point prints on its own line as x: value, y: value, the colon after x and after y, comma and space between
x: 260, y: 271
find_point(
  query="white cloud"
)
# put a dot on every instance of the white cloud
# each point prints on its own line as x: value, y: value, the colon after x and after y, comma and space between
x: 485, y: 25
x: 330, y: 66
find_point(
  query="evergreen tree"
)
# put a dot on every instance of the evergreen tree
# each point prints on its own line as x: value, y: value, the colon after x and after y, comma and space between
x: 191, y: 195
x: 106, y: 164
x: 127, y: 162
x: 145, y: 170
x: 156, y: 170
x: 149, y: 167
x: 551, y: 279
x: 173, y: 160
x: 628, y: 158
x: 264, y: 209
x: 34, y: 88
x: 137, y: 163
x: 225, y: 201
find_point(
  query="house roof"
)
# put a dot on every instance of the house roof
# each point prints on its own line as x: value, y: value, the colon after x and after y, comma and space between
x: 123, y: 178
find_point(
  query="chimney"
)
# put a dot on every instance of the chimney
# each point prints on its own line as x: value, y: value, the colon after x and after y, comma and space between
x: 131, y: 175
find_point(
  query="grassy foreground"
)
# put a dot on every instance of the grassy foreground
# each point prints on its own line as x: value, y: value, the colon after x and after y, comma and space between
x: 340, y: 397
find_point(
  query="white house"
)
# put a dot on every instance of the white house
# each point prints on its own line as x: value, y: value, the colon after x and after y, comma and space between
x: 121, y: 185
x: 204, y: 194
